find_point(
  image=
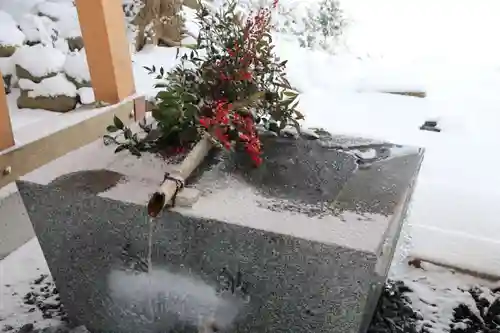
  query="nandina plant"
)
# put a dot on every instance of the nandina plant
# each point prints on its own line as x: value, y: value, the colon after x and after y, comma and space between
x: 230, y: 85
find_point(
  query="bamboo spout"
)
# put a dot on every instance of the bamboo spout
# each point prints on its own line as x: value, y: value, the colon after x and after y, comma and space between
x: 175, y: 182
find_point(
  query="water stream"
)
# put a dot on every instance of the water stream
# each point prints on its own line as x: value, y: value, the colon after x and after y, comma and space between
x: 150, y: 221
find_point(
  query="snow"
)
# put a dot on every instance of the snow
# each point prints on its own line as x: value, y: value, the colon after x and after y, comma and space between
x: 40, y: 60
x: 76, y: 66
x: 10, y: 35
x: 37, y: 28
x: 7, y: 66
x: 57, y: 10
x: 50, y: 87
x: 16, y: 271
x: 86, y: 95
x: 437, y: 291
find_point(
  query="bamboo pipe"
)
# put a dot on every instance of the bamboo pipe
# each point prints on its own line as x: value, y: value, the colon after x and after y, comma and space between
x: 169, y: 187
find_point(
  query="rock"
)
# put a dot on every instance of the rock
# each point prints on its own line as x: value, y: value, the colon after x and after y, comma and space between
x: 53, y: 94
x: 10, y: 36
x: 430, y: 128
x: 38, y: 29
x: 40, y: 279
x: 77, y: 69
x: 7, y: 50
x: 430, y: 123
x: 58, y: 103
x: 393, y: 310
x: 86, y: 96
x: 7, y: 328
x: 311, y: 278
x: 7, y: 83
x: 26, y: 328
x: 191, y: 4
x: 75, y: 43
x: 57, y: 10
x: 22, y: 73
x: 38, y: 62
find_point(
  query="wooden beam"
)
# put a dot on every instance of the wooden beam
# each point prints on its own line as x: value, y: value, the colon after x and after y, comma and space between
x: 107, y: 48
x: 19, y: 161
x: 6, y: 134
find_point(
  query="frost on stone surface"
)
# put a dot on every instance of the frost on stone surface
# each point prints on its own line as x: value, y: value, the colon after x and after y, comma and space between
x: 40, y: 60
x: 50, y: 87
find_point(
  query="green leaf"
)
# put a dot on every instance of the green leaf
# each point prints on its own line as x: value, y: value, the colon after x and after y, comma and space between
x: 191, y: 110
x: 157, y: 114
x: 167, y: 96
x: 127, y: 133
x: 111, y: 128
x: 118, y: 123
x: 120, y: 148
x: 290, y: 93
x: 160, y: 85
x: 188, y: 98
x: 134, y: 151
x: 298, y: 115
x: 153, y: 135
x: 273, y: 127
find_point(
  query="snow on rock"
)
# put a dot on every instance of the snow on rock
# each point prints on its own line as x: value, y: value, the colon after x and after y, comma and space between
x: 37, y: 28
x: 77, y: 69
x: 7, y: 66
x: 50, y: 87
x: 86, y: 95
x: 57, y: 11
x: 39, y: 60
x: 10, y: 35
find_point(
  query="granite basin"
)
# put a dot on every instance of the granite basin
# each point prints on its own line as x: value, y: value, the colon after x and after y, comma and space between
x: 302, y: 244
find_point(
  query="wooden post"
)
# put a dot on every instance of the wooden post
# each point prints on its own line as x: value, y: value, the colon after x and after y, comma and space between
x: 108, y: 54
x: 6, y: 134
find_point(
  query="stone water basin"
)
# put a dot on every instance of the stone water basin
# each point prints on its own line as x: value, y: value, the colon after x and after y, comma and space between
x: 301, y: 244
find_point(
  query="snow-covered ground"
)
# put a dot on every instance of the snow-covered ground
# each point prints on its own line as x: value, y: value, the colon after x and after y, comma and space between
x: 445, y: 47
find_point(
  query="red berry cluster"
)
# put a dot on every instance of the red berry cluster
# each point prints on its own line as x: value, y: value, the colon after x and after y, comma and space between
x: 225, y: 119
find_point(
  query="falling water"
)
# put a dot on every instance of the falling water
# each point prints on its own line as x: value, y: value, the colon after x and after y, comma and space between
x: 150, y: 221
